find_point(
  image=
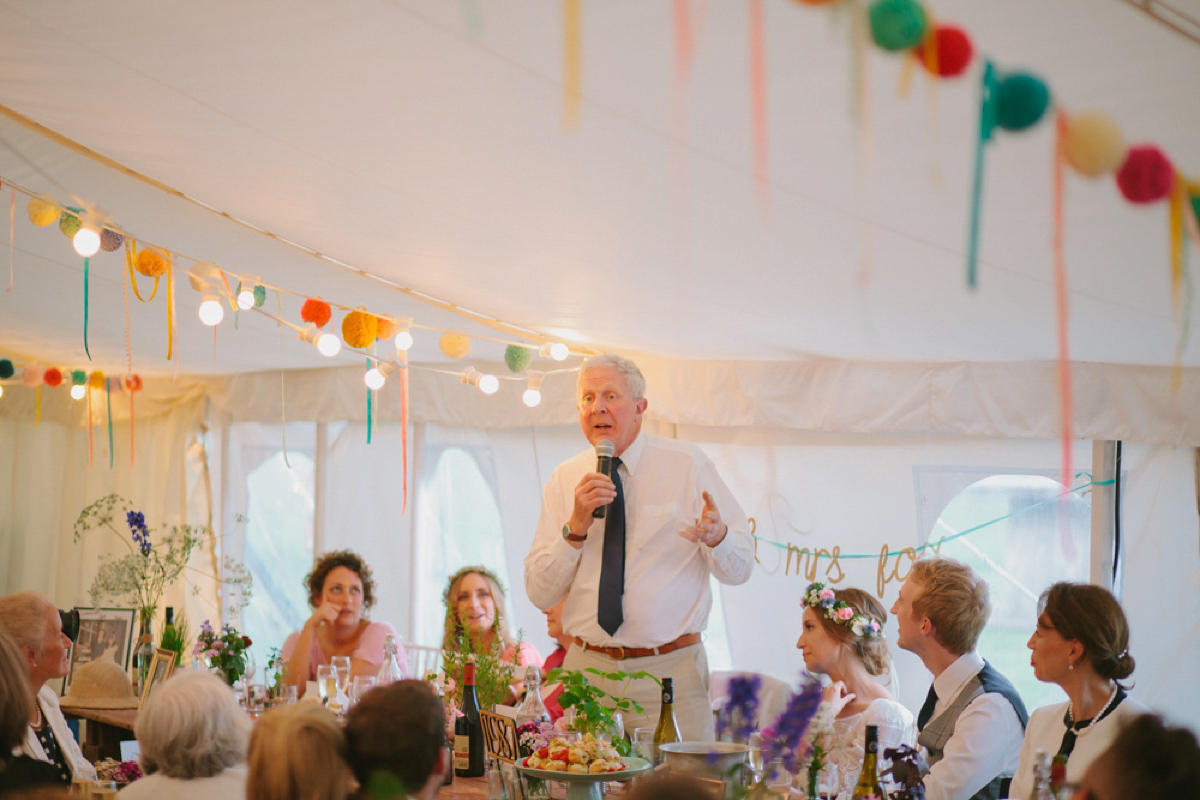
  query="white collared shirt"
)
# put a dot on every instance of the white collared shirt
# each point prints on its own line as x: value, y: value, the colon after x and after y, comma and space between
x: 986, y: 741
x: 666, y: 576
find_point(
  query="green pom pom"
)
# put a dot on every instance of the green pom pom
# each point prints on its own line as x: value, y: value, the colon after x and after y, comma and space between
x: 517, y: 357
x: 1021, y: 100
x: 897, y: 24
x: 70, y: 223
x: 6, y: 369
x: 78, y: 378
x: 260, y: 295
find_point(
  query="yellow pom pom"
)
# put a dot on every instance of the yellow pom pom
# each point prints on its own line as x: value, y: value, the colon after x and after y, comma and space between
x: 1093, y: 144
x: 151, y: 262
x: 359, y: 329
x: 96, y: 380
x: 455, y: 345
x: 44, y: 210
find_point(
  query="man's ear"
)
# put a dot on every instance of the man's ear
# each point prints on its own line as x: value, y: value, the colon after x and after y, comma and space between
x: 641, y: 404
x: 926, y: 626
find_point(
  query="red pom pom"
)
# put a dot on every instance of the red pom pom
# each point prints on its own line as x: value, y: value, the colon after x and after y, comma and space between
x: 133, y: 383
x: 1146, y: 176
x: 317, y: 312
x: 52, y: 377
x: 954, y: 51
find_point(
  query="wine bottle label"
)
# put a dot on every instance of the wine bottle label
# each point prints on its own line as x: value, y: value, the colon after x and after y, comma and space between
x: 462, y: 752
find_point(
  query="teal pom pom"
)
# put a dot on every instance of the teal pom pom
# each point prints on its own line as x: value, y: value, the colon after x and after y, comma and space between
x: 517, y: 357
x: 70, y: 223
x: 78, y: 378
x: 897, y: 24
x: 1021, y: 101
x: 6, y: 369
x: 260, y: 295
x: 110, y: 240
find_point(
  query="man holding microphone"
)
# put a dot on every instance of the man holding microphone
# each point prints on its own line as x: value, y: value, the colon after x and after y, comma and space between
x: 638, y: 576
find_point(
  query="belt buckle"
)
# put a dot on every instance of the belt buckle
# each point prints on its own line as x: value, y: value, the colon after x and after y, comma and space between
x: 620, y: 649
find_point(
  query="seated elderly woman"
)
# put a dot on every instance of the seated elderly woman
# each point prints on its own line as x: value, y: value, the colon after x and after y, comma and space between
x: 1081, y: 643
x: 193, y: 738
x: 36, y: 628
x: 298, y: 752
x: 1147, y: 760
x: 17, y: 772
x: 340, y: 589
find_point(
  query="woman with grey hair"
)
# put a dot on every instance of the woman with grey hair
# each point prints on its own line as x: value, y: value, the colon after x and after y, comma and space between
x: 193, y: 739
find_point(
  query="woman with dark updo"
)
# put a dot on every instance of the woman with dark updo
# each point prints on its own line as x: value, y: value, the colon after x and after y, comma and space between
x: 1081, y: 643
x: 340, y: 590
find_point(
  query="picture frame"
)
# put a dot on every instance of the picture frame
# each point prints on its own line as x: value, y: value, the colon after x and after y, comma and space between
x: 104, y: 633
x: 160, y: 669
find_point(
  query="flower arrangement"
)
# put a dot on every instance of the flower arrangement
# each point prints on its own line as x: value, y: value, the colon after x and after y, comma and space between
x: 823, y: 600
x: 783, y: 741
x: 737, y: 717
x: 493, y: 677
x: 123, y: 772
x: 534, y: 735
x: 226, y: 652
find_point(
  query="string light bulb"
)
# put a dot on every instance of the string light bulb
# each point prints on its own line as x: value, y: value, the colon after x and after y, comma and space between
x: 556, y: 350
x: 86, y: 240
x: 377, y: 375
x: 533, y: 392
x: 488, y: 384
x: 245, y: 298
x: 77, y: 391
x: 327, y: 344
x: 404, y: 338
x: 211, y: 310
x: 1, y: 391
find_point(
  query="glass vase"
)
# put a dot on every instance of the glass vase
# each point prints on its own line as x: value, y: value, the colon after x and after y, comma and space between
x: 143, y: 656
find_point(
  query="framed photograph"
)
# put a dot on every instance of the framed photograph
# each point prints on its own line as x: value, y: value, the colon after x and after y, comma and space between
x: 104, y: 633
x: 160, y: 669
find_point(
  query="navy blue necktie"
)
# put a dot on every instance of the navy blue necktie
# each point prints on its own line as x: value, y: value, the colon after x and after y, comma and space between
x: 612, y: 562
x: 927, y: 709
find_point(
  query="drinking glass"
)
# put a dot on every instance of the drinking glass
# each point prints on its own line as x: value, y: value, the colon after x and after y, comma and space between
x: 643, y: 743
x: 326, y: 682
x: 754, y: 760
x: 287, y: 694
x: 342, y: 665
x: 827, y: 781
x: 256, y: 699
x: 361, y: 685
x: 251, y: 667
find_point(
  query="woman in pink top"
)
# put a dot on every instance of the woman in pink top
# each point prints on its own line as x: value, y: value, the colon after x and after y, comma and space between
x: 340, y: 590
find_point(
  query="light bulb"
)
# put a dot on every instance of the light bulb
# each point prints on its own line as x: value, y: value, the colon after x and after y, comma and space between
x: 489, y: 384
x: 245, y: 298
x: 77, y: 391
x: 531, y: 398
x: 211, y: 310
x: 1, y: 391
x: 374, y: 379
x: 86, y: 241
x: 556, y: 350
x: 329, y: 345
x: 404, y: 340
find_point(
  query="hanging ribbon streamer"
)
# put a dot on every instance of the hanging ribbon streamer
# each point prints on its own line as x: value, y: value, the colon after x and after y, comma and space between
x: 130, y: 260
x: 1064, y: 358
x: 987, y: 124
x: 87, y: 268
x: 758, y: 104
x: 37, y: 419
x: 370, y: 397
x: 404, y: 422
x: 572, y: 63
x: 108, y: 396
x: 128, y: 348
x: 131, y: 392
x: 91, y: 437
x: 12, y: 232
x: 171, y: 314
x: 683, y: 42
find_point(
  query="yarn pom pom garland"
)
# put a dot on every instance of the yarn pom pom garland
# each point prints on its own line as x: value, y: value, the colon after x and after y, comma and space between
x: 455, y: 345
x: 31, y: 376
x: 78, y: 377
x: 6, y: 369
x: 1093, y: 144
x: 359, y: 329
x: 1146, y: 176
x: 386, y: 328
x: 151, y: 262
x: 96, y: 380
x: 517, y: 357
x: 53, y: 377
x: 69, y: 222
x: 43, y: 210
x: 110, y: 240
x: 1021, y: 100
x: 316, y: 312
x: 133, y: 383
x: 897, y: 24
x: 953, y: 50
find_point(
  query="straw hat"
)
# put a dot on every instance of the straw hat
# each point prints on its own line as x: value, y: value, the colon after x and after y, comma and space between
x: 100, y: 684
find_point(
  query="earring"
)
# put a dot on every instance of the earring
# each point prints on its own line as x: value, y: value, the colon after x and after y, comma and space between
x: 1070, y: 666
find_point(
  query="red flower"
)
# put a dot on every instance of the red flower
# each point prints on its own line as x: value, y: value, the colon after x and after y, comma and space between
x: 246, y: 639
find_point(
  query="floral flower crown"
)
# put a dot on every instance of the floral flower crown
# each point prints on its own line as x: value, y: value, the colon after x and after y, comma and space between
x: 484, y: 571
x: 822, y: 599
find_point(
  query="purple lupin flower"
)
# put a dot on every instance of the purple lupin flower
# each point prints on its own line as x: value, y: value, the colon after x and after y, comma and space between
x: 790, y: 727
x: 741, y: 709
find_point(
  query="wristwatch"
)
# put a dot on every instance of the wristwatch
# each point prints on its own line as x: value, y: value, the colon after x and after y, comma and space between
x: 571, y: 537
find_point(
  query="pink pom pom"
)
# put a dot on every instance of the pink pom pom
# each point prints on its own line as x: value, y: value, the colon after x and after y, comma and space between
x: 1146, y: 176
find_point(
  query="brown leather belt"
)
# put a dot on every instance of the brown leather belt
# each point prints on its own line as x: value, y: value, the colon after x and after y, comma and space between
x: 620, y: 653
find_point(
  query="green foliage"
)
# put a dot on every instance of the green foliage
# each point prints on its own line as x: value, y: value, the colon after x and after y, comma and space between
x: 493, y: 677
x: 225, y: 651
x: 593, y: 706
x: 276, y: 674
x: 175, y: 638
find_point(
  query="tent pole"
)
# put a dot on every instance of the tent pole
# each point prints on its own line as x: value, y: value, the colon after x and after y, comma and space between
x: 1104, y: 456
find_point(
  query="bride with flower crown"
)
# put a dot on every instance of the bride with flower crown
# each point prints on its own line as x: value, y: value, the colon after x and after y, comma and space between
x: 842, y: 637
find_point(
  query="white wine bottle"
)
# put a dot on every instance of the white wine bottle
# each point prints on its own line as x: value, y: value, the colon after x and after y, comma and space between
x: 667, y: 730
x: 868, y: 787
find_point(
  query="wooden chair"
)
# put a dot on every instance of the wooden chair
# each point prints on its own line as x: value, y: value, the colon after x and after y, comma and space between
x: 423, y: 660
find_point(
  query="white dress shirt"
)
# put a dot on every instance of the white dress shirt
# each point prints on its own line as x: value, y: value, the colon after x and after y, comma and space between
x: 666, y: 576
x: 1045, y: 732
x: 986, y: 741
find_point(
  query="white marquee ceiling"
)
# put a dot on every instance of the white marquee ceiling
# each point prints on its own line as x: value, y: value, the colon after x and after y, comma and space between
x: 425, y: 143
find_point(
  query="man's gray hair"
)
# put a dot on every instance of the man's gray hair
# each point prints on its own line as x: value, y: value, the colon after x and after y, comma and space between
x: 191, y: 727
x: 23, y: 617
x: 633, y: 375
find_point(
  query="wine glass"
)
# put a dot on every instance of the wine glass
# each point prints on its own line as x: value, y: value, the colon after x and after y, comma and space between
x: 326, y: 682
x: 251, y: 667
x: 754, y: 760
x: 342, y: 666
x: 361, y: 685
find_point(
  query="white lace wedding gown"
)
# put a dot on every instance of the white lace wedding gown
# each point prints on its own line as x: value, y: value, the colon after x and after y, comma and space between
x: 896, y: 727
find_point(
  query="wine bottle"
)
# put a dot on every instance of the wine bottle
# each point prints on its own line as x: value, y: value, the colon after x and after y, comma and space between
x: 667, y: 730
x: 532, y: 709
x: 868, y: 787
x: 468, y: 729
x: 1041, y: 777
x: 390, y: 671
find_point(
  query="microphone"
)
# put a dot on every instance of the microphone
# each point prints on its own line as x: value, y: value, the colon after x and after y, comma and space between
x: 604, y: 465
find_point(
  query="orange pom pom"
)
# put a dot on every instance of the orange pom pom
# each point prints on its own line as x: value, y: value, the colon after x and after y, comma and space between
x: 133, y: 383
x: 317, y: 312
x: 53, y: 377
x: 151, y: 262
x: 359, y: 329
x: 387, y: 328
x: 96, y: 381
x: 455, y: 345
